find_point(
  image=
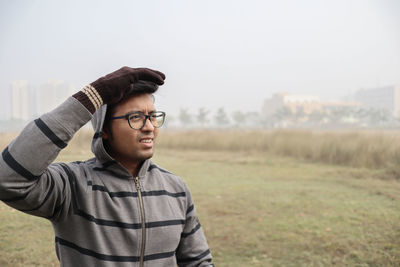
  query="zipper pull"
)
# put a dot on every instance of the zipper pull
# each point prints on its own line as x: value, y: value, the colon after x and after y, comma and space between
x: 137, y: 183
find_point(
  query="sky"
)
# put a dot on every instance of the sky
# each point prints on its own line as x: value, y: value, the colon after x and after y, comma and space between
x: 215, y: 53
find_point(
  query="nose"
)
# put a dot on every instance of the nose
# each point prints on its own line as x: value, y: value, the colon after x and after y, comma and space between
x: 148, y: 126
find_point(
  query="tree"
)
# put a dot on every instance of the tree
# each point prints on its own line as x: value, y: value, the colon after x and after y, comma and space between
x: 300, y: 115
x: 202, y: 116
x: 284, y: 113
x: 254, y: 119
x: 239, y: 118
x: 169, y: 120
x: 377, y: 116
x: 185, y: 117
x: 284, y: 117
x: 221, y: 119
x: 339, y: 114
x: 316, y: 116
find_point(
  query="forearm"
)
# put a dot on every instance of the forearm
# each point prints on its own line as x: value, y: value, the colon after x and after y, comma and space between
x: 42, y: 139
x: 193, y: 249
x: 24, y: 173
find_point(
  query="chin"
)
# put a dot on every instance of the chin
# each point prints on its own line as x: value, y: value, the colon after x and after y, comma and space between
x: 147, y: 155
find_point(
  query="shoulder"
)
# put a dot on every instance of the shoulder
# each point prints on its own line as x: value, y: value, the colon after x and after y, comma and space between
x: 74, y: 170
x: 165, y: 176
x: 80, y: 166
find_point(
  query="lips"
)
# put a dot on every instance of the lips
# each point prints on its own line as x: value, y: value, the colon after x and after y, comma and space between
x: 147, y: 141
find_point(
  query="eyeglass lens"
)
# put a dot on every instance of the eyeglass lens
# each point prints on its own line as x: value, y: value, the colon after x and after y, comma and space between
x: 137, y: 120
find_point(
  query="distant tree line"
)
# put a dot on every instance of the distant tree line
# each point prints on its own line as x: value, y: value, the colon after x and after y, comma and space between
x: 334, y: 117
x: 282, y: 118
x: 205, y: 118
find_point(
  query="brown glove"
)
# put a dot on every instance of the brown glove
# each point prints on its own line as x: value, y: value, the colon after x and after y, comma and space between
x: 113, y: 87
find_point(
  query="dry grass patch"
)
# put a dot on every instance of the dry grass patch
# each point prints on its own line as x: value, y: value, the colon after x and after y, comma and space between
x: 358, y: 149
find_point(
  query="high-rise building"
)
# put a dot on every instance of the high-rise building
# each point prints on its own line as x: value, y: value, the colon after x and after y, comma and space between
x: 53, y: 93
x: 23, y: 100
x: 28, y: 102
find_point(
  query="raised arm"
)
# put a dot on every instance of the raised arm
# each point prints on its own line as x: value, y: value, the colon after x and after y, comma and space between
x: 27, y: 180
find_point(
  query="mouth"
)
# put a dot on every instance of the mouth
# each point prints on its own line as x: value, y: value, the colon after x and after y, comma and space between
x: 147, y: 141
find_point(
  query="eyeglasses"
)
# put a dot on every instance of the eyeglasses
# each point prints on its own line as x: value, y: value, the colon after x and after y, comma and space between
x: 137, y: 119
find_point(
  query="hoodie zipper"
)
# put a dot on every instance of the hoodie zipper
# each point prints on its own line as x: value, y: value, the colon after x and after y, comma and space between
x: 143, y: 220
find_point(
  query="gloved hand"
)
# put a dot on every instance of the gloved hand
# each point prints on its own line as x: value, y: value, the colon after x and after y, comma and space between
x: 113, y: 87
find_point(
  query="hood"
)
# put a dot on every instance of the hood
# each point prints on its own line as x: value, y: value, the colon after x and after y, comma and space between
x: 104, y: 160
x: 97, y: 142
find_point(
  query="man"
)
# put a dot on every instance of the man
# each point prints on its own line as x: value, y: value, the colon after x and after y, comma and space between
x: 119, y: 208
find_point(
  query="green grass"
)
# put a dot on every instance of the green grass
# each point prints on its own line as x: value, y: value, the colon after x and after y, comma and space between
x: 258, y: 209
x: 25, y: 240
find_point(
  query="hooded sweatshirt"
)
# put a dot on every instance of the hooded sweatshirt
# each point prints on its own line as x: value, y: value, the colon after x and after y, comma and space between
x: 101, y: 214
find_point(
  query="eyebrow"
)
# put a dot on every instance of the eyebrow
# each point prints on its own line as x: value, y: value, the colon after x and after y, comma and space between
x: 139, y: 111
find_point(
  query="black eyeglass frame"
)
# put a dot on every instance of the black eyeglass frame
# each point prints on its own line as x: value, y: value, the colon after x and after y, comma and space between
x: 126, y: 116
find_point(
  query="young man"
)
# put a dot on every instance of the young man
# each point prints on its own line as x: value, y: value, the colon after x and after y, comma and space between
x: 119, y: 208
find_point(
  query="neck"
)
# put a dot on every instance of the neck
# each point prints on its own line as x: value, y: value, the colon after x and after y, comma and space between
x: 132, y: 167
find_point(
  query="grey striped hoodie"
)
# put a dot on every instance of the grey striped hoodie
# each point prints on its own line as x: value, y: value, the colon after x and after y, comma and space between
x: 101, y: 215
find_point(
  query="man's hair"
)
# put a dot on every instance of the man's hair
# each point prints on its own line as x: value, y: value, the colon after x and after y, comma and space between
x: 139, y: 88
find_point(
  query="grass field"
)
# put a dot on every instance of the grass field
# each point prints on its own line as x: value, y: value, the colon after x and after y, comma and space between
x: 258, y: 208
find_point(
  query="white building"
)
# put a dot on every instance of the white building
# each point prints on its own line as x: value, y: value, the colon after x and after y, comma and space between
x: 28, y: 103
x: 22, y: 100
x: 53, y: 93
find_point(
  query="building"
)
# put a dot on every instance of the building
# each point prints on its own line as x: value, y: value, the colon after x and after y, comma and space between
x: 28, y: 102
x: 285, y: 110
x: 383, y: 98
x: 305, y: 104
x: 51, y: 94
x: 23, y: 100
x: 280, y: 101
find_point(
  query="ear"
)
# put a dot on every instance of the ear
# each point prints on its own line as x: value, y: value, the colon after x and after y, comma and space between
x: 105, y: 135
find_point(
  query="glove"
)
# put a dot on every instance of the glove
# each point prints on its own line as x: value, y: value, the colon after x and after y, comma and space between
x: 113, y: 87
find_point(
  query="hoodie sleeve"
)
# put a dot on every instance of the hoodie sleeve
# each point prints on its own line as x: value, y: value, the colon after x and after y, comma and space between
x: 193, y: 249
x: 27, y: 180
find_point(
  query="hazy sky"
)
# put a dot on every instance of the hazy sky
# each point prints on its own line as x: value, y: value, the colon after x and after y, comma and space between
x: 215, y: 53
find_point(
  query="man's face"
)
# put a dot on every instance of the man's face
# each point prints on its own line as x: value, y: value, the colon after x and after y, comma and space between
x: 126, y: 145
